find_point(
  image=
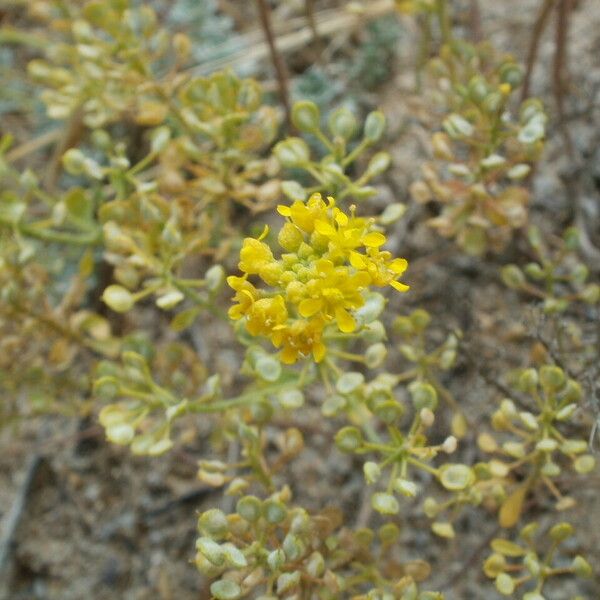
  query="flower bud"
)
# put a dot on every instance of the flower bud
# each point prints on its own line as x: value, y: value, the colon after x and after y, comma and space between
x: 226, y: 589
x: 374, y: 126
x: 118, y: 298
x: 348, y: 439
x: 306, y: 116
x: 372, y: 472
x: 342, y: 123
x: 385, y: 504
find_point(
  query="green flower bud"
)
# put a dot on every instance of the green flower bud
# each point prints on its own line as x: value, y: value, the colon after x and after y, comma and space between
x: 458, y: 127
x: 512, y: 277
x: 555, y: 305
x: 349, y: 382
x: 106, y: 387
x: 403, y: 325
x: 211, y: 550
x: 276, y: 559
x: 385, y: 504
x: 342, y: 123
x: 529, y: 420
x: 74, y: 161
x: 388, y: 534
x: 333, y: 405
x: 572, y: 391
x: 306, y: 116
x: 581, y: 567
x: 506, y: 548
x: 287, y: 581
x: 405, y: 487
x: 574, y: 446
x: 591, y: 294
x: 443, y: 529
x: 584, y: 464
x: 274, y: 511
x: 234, y: 556
x: 293, y: 547
x: 551, y: 469
x: 348, y: 439
x: 561, y: 531
x: 268, y: 368
x: 552, y: 378
x: 532, y: 564
x: 456, y: 477
x: 169, y: 300
x: 423, y: 395
x: 528, y: 380
x: 534, y: 271
x: 159, y: 139
x: 375, y: 355
x: 512, y: 74
x: 372, y: 472
x: 379, y: 163
x: 571, y: 237
x: 215, y: 278
x: 547, y: 445
x: 374, y: 127
x: 294, y: 191
x: 514, y: 449
x: 291, y: 399
x: 225, y: 589
x: 213, y: 523
x: 315, y: 566
x: 478, y: 88
x: 392, y: 213
x: 118, y: 298
x: 430, y: 507
x: 249, y: 508
x: 518, y: 172
x: 292, y: 152
x: 505, y: 584
x: 420, y: 319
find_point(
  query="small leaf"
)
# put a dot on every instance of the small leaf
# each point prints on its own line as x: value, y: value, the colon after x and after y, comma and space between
x: 507, y: 548
x: 512, y: 507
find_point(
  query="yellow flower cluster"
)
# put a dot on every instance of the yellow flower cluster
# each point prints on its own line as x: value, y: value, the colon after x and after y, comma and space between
x: 329, y: 260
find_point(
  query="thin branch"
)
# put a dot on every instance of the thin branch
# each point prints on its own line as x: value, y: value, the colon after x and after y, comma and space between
x: 475, y: 21
x: 538, y: 29
x: 13, y: 517
x: 565, y: 8
x: 279, y: 65
x: 309, y: 6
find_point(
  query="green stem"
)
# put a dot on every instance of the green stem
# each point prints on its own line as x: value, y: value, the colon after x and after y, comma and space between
x: 441, y: 9
x: 59, y: 237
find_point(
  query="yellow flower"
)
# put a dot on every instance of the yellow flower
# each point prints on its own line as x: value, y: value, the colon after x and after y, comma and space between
x: 381, y: 268
x: 265, y: 315
x: 245, y: 296
x: 304, y: 215
x: 300, y: 338
x: 256, y: 258
x: 332, y: 293
x: 330, y: 260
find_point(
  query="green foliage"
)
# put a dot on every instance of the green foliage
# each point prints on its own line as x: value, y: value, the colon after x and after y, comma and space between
x: 557, y: 276
x: 532, y: 567
x: 484, y: 150
x: 331, y: 171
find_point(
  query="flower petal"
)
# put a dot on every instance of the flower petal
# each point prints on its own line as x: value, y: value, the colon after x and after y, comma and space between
x: 401, y: 287
x: 309, y: 307
x: 373, y: 239
x: 345, y: 321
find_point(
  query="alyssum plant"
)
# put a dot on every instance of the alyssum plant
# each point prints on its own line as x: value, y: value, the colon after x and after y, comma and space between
x: 161, y: 174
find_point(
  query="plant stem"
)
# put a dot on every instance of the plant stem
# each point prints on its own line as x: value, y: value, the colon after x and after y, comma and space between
x: 264, y: 12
